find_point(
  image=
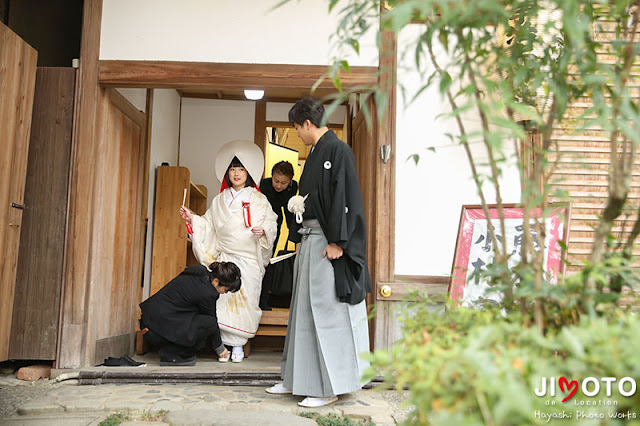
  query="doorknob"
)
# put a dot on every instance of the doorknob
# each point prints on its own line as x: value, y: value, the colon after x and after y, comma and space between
x: 385, y: 291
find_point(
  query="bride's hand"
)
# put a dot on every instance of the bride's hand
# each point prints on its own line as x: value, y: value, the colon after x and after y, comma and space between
x: 258, y: 231
x: 186, y: 214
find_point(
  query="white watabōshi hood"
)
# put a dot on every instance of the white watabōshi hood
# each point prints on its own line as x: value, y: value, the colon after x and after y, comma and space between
x: 247, y: 152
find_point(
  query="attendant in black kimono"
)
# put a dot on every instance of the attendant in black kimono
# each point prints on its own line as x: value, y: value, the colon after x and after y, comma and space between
x: 279, y: 188
x: 328, y: 328
x: 177, y: 319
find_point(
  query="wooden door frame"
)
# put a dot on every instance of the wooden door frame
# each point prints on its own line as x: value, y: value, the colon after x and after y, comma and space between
x: 96, y: 75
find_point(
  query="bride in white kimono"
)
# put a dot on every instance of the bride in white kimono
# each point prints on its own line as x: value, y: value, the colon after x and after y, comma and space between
x: 239, y: 227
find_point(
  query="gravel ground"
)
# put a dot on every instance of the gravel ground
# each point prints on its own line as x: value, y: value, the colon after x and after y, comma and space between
x: 14, y: 393
x: 397, y: 401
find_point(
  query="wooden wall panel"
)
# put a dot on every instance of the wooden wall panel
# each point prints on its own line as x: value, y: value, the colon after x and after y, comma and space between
x: 17, y: 82
x: 39, y: 278
x: 583, y: 169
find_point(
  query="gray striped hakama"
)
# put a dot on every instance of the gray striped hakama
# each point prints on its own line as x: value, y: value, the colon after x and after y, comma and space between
x: 325, y: 338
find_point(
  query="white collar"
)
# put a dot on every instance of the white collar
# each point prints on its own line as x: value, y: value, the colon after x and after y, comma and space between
x: 235, y: 193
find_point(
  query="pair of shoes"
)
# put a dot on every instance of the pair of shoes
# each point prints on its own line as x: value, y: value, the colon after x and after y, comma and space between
x: 278, y: 389
x: 237, y: 356
x: 225, y: 358
x: 178, y: 361
x: 123, y: 361
x: 312, y: 402
x: 133, y: 363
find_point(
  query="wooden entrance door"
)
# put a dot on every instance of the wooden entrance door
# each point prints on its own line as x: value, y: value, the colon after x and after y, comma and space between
x: 36, y: 307
x: 121, y: 196
x: 18, y: 63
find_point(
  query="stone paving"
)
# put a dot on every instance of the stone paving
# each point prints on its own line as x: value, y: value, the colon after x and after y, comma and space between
x: 67, y: 402
x: 193, y: 404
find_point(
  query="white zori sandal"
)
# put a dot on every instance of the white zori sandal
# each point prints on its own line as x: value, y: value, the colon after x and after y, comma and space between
x: 236, y: 354
x: 312, y: 402
x: 277, y: 389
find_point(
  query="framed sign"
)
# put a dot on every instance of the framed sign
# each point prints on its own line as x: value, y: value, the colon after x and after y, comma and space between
x: 474, y: 248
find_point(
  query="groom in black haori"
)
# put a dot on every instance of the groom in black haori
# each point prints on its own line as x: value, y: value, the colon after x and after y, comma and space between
x: 328, y: 328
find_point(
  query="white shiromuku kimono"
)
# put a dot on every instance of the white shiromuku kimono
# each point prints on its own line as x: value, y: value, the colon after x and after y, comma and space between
x: 221, y: 235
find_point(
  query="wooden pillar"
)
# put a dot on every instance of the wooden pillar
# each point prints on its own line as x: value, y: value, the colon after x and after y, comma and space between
x: 261, y: 127
x: 74, y: 338
x: 385, y: 184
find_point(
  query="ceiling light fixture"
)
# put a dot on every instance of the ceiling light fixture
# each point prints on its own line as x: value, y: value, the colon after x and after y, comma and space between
x: 254, y: 95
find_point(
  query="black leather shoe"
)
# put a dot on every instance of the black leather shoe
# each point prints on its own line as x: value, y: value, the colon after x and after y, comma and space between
x: 178, y: 361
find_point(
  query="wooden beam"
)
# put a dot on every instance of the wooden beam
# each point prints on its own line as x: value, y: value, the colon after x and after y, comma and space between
x: 176, y: 75
x: 286, y: 124
x: 219, y: 95
x: 402, y: 290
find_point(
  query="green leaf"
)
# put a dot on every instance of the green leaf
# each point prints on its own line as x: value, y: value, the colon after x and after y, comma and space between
x: 337, y: 83
x: 401, y: 16
x: 445, y: 82
x: 355, y: 44
x: 415, y: 158
x: 443, y: 36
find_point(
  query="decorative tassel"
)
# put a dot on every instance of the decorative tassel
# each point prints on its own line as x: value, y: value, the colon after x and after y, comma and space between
x: 296, y: 205
x: 246, y: 212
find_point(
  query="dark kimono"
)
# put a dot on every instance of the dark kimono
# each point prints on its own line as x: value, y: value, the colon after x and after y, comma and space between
x: 328, y: 329
x: 183, y: 312
x: 334, y: 199
x: 279, y: 201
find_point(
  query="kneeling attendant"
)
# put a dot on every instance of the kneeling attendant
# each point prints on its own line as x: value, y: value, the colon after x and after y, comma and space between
x: 178, y: 318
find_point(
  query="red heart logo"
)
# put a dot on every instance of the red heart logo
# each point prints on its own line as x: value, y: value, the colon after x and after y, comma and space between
x: 569, y: 384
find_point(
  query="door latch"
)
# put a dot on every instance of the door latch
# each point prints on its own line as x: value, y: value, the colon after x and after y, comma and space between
x: 385, y: 153
x: 17, y: 206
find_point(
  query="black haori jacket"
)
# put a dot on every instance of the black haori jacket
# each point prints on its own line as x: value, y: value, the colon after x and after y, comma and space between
x: 331, y: 181
x: 170, y: 311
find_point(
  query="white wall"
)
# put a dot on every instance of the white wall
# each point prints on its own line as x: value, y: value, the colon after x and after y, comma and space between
x: 237, y: 31
x: 137, y: 97
x: 206, y: 125
x: 164, y: 148
x: 429, y: 196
